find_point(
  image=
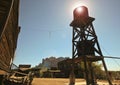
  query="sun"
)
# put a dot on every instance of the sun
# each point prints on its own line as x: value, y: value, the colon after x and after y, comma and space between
x: 78, y: 5
x: 79, y: 9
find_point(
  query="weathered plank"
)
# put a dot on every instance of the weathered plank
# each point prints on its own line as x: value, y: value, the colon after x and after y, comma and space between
x: 9, y: 30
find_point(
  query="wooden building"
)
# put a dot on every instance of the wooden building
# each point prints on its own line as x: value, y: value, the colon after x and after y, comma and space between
x: 9, y: 30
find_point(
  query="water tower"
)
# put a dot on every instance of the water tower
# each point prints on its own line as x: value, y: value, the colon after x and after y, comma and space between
x: 85, y: 46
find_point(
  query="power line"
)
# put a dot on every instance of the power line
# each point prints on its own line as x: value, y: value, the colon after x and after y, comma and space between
x: 113, y: 58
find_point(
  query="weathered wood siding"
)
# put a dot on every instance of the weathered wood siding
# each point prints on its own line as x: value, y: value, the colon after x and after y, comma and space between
x: 9, y: 30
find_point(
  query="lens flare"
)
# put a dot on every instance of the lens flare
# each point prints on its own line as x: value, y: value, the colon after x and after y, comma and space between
x: 78, y: 4
x: 79, y: 9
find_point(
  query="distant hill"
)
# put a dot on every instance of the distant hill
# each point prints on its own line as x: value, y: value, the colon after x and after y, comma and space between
x: 51, y: 62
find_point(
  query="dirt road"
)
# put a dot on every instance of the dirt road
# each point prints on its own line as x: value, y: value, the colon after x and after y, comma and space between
x: 49, y: 81
x: 62, y: 81
x: 52, y: 81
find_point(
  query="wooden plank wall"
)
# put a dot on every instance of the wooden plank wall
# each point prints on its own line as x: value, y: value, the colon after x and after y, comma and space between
x: 9, y: 36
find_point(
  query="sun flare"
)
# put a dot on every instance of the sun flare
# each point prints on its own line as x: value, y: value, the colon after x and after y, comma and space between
x: 79, y: 9
x: 78, y: 4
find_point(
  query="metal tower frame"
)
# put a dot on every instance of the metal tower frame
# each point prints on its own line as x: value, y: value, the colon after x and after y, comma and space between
x: 85, y: 46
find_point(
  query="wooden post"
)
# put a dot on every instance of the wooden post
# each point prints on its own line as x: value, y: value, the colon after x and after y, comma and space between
x: 72, y: 76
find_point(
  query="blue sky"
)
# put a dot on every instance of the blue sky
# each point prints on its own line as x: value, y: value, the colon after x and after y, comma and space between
x: 45, y: 29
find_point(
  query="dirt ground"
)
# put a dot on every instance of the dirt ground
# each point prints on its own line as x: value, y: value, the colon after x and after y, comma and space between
x: 62, y: 81
x: 49, y: 81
